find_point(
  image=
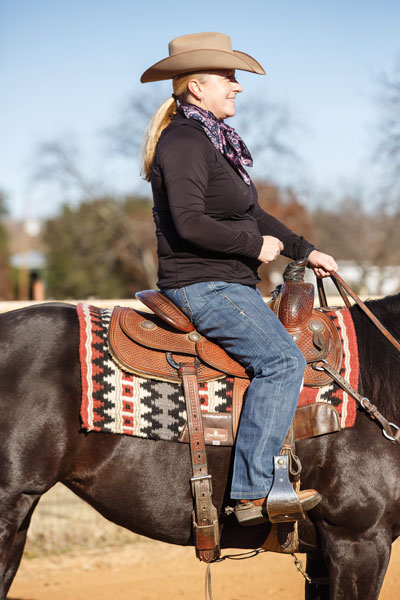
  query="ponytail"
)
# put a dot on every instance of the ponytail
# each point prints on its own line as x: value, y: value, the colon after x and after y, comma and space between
x: 160, y: 120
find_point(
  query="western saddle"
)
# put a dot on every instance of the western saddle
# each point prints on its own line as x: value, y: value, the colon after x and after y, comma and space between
x: 165, y: 345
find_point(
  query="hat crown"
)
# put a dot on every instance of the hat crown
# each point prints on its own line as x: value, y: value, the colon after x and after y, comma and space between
x: 200, y: 41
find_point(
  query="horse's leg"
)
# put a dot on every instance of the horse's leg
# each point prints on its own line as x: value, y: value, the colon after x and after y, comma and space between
x: 316, y: 569
x: 17, y: 549
x: 356, y: 566
x: 13, y: 531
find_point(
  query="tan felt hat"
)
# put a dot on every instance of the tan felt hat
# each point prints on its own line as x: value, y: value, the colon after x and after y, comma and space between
x: 200, y: 51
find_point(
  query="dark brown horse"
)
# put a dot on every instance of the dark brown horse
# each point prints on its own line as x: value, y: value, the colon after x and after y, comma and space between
x: 143, y: 485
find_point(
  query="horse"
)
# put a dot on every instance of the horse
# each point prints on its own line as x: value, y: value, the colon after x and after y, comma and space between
x: 143, y: 485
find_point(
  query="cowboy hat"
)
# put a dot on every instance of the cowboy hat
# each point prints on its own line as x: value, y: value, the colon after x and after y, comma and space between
x: 199, y: 51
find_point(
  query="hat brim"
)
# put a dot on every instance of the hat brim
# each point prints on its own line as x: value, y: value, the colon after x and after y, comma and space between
x: 199, y: 60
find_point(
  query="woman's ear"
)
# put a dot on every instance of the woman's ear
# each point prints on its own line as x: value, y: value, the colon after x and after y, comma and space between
x: 195, y: 89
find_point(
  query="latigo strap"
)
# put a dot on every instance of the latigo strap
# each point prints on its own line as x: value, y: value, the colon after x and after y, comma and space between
x: 205, y: 516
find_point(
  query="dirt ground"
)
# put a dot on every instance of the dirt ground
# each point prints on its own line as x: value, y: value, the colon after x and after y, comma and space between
x: 148, y: 570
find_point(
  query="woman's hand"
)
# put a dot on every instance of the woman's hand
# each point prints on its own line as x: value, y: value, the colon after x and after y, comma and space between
x: 271, y: 249
x: 321, y: 263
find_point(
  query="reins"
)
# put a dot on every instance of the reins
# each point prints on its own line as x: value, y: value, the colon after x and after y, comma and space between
x: 389, y: 429
x: 342, y: 288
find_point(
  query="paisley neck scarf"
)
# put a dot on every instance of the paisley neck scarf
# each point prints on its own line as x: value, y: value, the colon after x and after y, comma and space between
x: 223, y: 137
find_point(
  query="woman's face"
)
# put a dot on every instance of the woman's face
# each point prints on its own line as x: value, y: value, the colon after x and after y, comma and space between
x: 218, y: 92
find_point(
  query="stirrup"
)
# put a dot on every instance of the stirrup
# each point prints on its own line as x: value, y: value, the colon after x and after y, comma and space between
x: 248, y: 513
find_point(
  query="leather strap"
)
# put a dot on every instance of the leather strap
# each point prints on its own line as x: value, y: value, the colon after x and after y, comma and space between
x: 342, y: 285
x: 390, y: 430
x: 205, y: 516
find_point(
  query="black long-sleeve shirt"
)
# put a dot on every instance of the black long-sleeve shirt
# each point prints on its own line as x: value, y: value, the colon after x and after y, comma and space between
x: 209, y: 224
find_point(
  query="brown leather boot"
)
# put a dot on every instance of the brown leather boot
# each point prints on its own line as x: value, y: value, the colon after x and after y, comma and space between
x: 254, y: 512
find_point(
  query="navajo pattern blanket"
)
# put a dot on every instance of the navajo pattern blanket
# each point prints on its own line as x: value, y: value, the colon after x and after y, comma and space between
x: 116, y: 401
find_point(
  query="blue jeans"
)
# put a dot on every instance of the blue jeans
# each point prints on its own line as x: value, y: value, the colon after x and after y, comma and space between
x: 235, y: 317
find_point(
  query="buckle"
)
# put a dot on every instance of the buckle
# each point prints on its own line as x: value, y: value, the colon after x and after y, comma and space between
x: 194, y: 480
x: 316, y: 367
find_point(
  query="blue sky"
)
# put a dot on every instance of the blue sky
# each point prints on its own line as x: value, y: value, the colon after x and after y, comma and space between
x: 67, y: 70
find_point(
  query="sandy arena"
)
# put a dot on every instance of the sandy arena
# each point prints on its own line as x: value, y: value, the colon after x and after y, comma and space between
x: 149, y: 570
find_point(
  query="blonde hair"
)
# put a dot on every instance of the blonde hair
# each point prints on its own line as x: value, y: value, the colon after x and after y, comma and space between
x: 163, y: 117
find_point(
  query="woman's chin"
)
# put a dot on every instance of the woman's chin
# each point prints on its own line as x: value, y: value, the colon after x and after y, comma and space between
x: 229, y: 113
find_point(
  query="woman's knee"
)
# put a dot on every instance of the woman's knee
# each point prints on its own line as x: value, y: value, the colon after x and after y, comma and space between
x: 296, y: 364
x: 290, y: 363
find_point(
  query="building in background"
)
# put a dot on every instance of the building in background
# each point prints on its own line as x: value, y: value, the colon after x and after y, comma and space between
x: 27, y: 259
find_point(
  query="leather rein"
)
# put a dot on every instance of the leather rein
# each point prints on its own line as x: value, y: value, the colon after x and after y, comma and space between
x: 389, y: 429
x: 343, y: 287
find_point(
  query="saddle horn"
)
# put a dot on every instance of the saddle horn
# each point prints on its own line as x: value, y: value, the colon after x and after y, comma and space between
x: 295, y: 270
x: 296, y: 297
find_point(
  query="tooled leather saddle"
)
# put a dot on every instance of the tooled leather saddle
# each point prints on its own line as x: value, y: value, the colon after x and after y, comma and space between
x: 149, y: 344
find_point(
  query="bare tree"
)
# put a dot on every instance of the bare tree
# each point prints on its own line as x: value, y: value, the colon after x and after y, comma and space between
x: 388, y: 148
x: 126, y: 134
x: 58, y: 161
x: 367, y: 238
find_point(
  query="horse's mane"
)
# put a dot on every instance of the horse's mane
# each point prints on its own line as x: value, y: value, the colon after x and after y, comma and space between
x: 379, y: 359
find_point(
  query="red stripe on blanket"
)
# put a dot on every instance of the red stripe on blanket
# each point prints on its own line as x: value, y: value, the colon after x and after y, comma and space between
x: 85, y: 365
x: 350, y: 371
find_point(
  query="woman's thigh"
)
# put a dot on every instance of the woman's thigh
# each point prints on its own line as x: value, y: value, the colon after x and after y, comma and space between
x: 236, y: 317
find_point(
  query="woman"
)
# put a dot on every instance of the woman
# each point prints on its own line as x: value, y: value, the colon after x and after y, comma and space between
x: 212, y: 236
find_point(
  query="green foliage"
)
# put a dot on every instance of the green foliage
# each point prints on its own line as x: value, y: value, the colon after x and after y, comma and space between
x: 95, y: 250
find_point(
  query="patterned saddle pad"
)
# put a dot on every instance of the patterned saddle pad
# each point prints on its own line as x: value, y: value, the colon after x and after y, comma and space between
x: 116, y: 401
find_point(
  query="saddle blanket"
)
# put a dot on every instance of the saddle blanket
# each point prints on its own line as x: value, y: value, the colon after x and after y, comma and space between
x: 116, y: 401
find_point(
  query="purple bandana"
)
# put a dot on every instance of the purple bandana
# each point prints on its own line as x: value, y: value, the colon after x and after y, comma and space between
x: 223, y: 137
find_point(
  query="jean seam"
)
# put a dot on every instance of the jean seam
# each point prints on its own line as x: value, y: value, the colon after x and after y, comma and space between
x: 187, y: 305
x: 240, y: 310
